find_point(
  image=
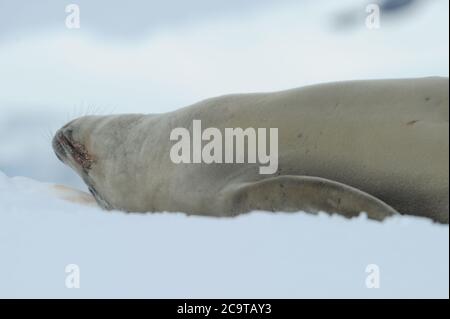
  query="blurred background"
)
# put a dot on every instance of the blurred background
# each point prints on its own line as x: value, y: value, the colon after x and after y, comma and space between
x: 157, y: 56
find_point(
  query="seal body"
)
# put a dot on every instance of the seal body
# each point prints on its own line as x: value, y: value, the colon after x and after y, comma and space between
x: 379, y: 146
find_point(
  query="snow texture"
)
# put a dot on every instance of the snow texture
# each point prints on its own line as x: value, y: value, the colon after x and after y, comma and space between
x: 160, y: 255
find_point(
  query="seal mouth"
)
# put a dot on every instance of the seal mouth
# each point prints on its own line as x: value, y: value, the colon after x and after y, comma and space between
x: 66, y: 147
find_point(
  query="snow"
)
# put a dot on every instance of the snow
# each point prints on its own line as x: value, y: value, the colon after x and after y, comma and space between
x: 161, y: 255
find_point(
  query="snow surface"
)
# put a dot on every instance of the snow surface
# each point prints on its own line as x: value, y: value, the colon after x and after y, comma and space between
x: 160, y: 255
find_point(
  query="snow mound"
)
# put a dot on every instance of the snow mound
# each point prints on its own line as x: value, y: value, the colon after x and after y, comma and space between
x: 259, y: 255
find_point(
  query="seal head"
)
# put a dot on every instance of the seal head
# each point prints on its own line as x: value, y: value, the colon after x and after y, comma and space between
x: 69, y: 149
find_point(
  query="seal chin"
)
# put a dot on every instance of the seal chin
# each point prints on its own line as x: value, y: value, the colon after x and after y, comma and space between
x: 99, y: 199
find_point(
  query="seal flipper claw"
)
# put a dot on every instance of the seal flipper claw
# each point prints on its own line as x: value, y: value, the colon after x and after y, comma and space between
x: 310, y: 194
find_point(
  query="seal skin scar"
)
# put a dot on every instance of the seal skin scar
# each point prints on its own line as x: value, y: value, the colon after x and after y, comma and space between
x: 81, y: 156
x: 412, y: 122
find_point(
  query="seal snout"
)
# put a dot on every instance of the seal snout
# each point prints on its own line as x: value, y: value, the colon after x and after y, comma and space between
x: 66, y: 148
x: 57, y: 144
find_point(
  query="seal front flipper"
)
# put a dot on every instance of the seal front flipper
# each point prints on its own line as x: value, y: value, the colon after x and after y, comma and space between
x: 310, y: 194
